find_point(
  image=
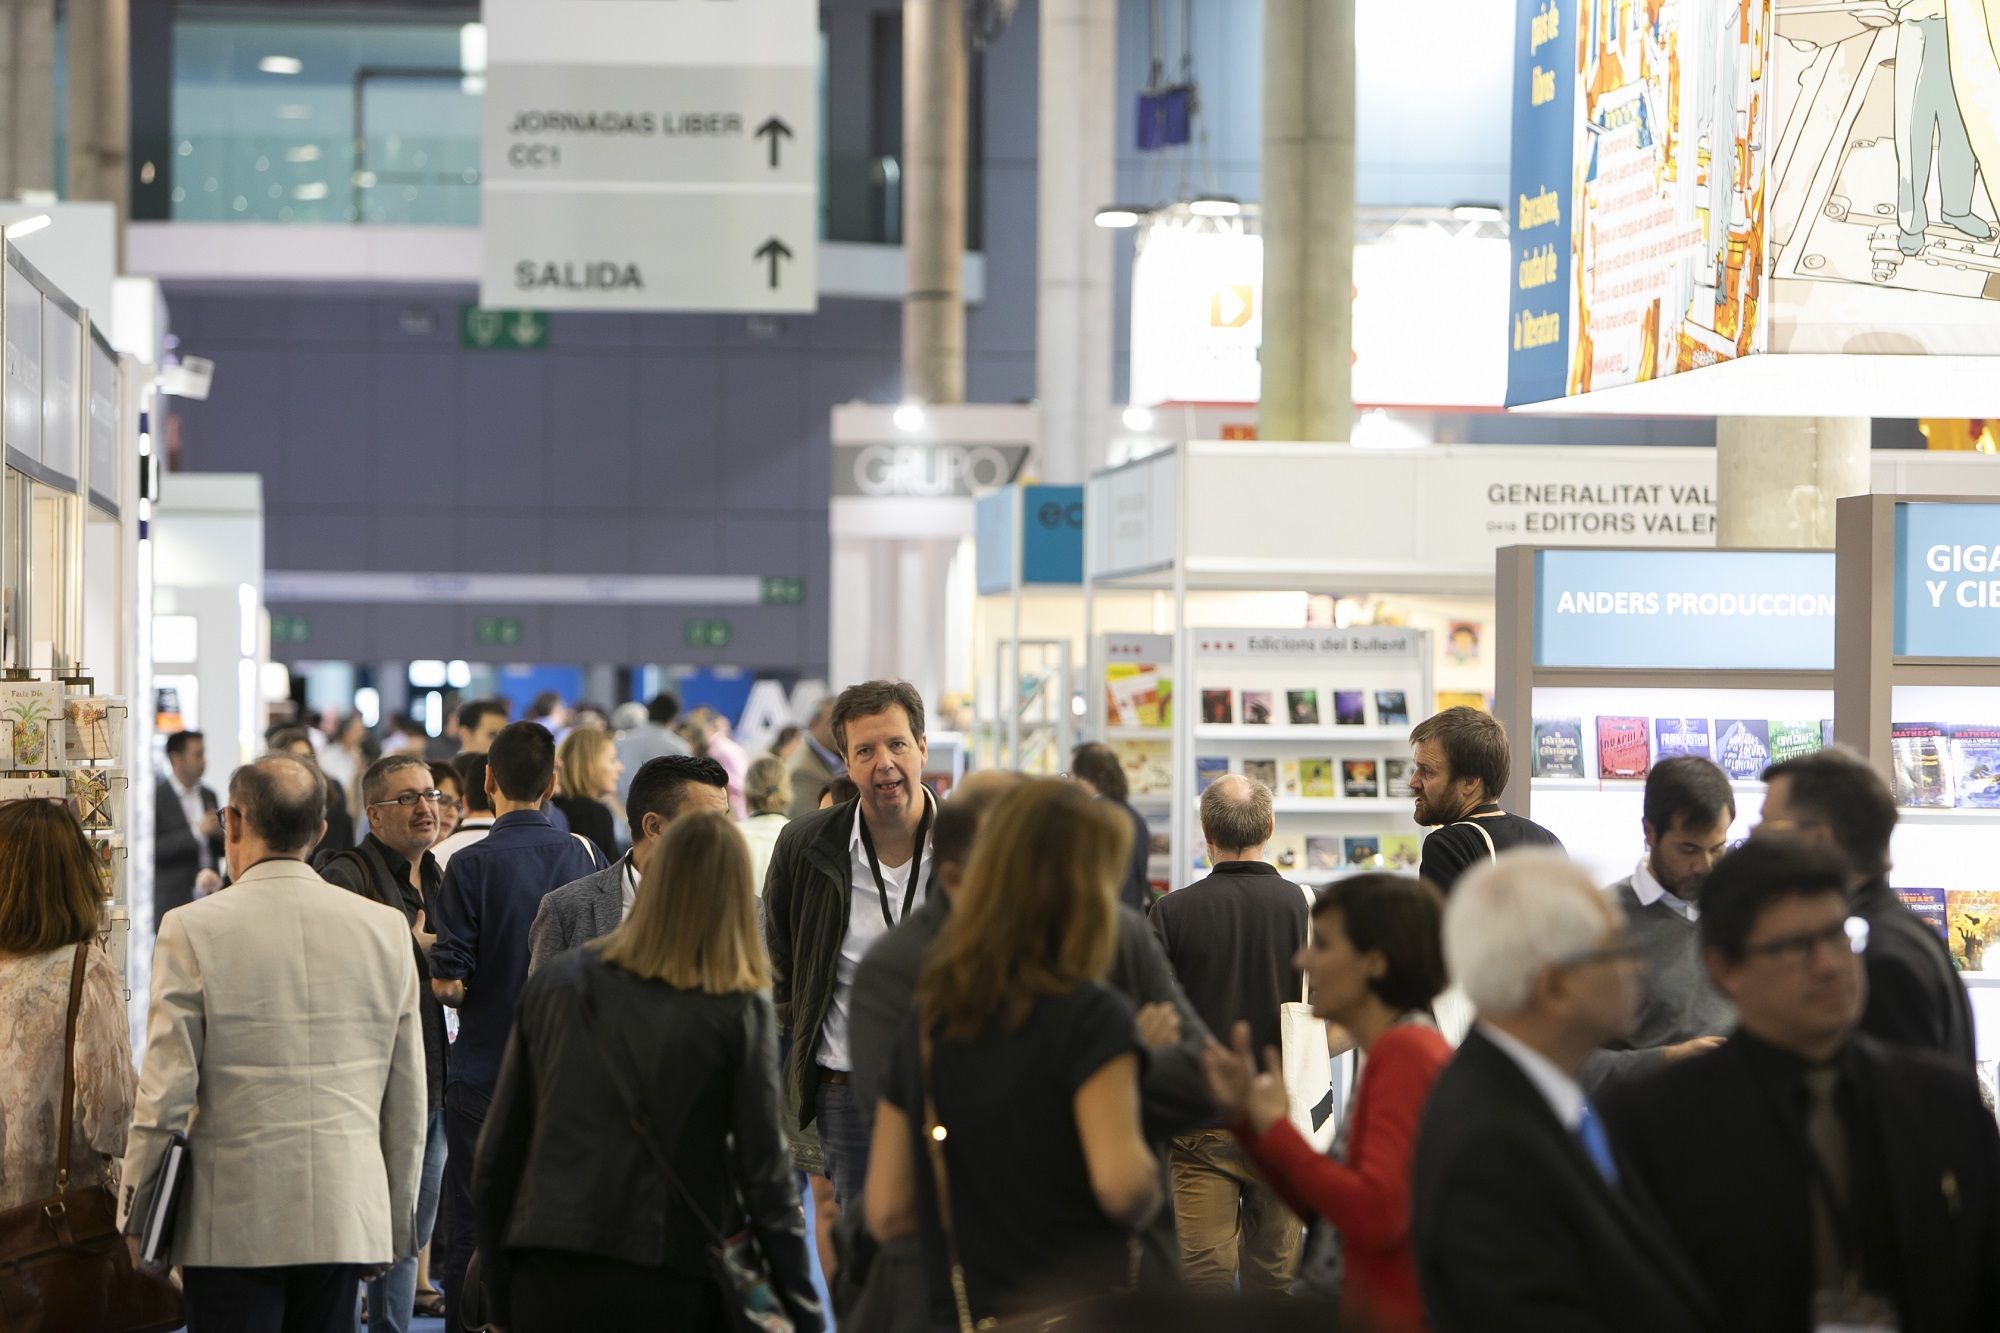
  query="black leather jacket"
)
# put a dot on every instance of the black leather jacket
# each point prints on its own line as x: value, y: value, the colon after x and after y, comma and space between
x: 561, y: 1167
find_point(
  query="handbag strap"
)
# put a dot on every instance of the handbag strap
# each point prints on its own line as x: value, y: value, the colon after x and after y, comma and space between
x: 1305, y: 978
x: 1492, y: 854
x: 934, y: 1137
x: 635, y: 1110
x: 69, y: 1067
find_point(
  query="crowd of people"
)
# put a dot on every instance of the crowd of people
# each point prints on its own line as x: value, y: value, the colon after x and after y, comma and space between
x: 591, y: 1061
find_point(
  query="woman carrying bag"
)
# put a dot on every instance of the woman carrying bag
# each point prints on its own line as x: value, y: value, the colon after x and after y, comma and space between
x: 632, y: 1161
x: 1008, y: 1134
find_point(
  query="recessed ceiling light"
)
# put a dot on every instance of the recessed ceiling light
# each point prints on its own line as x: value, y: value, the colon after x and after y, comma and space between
x: 281, y: 65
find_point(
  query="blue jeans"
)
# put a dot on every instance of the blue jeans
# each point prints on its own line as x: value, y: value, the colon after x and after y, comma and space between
x: 391, y: 1296
x: 843, y: 1139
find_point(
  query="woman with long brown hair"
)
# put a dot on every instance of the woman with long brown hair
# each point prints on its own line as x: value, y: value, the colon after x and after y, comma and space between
x: 636, y: 1119
x: 50, y: 901
x: 1021, y: 1072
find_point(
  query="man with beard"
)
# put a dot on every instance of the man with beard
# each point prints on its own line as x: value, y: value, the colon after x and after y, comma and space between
x: 1689, y: 807
x: 1459, y: 770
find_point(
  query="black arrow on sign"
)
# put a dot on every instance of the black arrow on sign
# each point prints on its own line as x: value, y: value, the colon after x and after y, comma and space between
x: 774, y: 129
x: 776, y: 251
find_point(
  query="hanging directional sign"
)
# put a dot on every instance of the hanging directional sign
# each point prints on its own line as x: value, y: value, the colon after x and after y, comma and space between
x: 657, y: 156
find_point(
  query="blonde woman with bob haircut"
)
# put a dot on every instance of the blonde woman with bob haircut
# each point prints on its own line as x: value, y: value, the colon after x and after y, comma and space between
x: 1031, y: 1065
x: 636, y: 1118
x: 587, y: 772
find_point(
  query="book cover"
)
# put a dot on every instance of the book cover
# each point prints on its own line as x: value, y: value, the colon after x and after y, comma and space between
x: 1975, y: 766
x: 1287, y: 852
x: 1302, y: 707
x: 90, y: 799
x: 1322, y: 853
x: 1825, y: 732
x: 1137, y: 695
x: 1159, y: 842
x: 1218, y: 707
x: 1262, y: 770
x: 1402, y: 851
x: 1396, y: 779
x: 1623, y: 750
x: 1148, y: 765
x: 1207, y: 768
x: 1920, y: 767
x: 1462, y: 699
x: 35, y: 708
x: 1290, y: 783
x: 1350, y: 708
x: 1929, y: 905
x: 1360, y: 778
x: 1316, y: 779
x: 1392, y: 708
x: 1257, y: 707
x: 93, y: 732
x: 1558, y: 748
x: 1361, y: 851
x: 1789, y: 740
x: 1682, y: 735
x: 1743, y: 747
x: 1972, y: 920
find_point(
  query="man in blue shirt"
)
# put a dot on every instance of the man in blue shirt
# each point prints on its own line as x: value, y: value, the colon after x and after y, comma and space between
x: 485, y: 906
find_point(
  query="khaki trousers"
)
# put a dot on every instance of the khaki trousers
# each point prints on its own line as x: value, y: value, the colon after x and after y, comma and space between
x: 1229, y: 1223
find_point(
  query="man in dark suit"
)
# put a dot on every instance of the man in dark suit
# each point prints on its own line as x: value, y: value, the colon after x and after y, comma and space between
x: 1520, y: 1216
x: 187, y: 832
x: 1914, y: 997
x: 1816, y: 1176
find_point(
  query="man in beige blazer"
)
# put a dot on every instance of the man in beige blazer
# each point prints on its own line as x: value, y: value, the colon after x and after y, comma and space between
x: 284, y: 1039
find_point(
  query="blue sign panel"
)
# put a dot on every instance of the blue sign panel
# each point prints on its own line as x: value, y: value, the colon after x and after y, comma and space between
x: 1539, y: 221
x: 1050, y: 539
x: 1947, y: 580
x: 1684, y: 610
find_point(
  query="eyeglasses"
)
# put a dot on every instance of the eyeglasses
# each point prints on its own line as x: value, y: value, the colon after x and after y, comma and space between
x: 450, y: 803
x: 410, y: 798
x: 1798, y: 950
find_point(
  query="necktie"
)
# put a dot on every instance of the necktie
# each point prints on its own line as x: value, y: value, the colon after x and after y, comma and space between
x: 1596, y: 1145
x: 1826, y: 1137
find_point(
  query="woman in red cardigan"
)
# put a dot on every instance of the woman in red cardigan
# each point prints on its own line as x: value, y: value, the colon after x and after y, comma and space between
x: 1375, y: 963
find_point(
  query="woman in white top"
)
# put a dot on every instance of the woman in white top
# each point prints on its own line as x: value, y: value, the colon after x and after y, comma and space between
x: 767, y: 793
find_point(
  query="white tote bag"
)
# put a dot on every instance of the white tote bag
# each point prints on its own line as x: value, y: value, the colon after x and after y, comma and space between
x: 1453, y: 1012
x: 1308, y: 1068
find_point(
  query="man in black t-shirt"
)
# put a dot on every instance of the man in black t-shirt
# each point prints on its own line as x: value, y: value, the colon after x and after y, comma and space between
x: 1460, y: 769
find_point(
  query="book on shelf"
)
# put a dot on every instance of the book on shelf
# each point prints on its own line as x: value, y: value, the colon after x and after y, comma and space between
x: 1462, y: 699
x: 1361, y: 851
x: 1392, y: 708
x: 1287, y: 852
x: 1290, y: 782
x: 1148, y: 765
x: 1825, y: 733
x: 1402, y: 851
x: 1920, y: 767
x: 1360, y: 778
x: 1929, y: 907
x: 1302, y: 707
x: 1264, y: 771
x: 1972, y: 917
x: 1791, y: 740
x: 1558, y: 748
x: 1138, y: 695
x: 1350, y: 708
x: 1257, y: 708
x: 1396, y: 779
x: 1159, y: 842
x: 1322, y: 852
x: 1743, y: 747
x: 1624, y: 749
x: 1218, y: 707
x: 1207, y: 768
x: 1316, y: 779
x: 1975, y: 766
x: 1675, y: 736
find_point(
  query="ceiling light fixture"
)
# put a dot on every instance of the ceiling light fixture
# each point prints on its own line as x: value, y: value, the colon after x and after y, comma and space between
x: 1119, y: 217
x: 1215, y: 206
x: 281, y: 65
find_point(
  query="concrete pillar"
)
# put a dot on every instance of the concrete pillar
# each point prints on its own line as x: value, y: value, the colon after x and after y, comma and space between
x: 27, y: 101
x: 99, y: 109
x: 1076, y: 174
x: 934, y: 179
x: 1308, y: 220
x: 1776, y: 478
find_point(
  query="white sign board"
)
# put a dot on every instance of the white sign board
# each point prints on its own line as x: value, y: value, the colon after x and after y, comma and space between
x: 651, y: 156
x: 1197, y: 316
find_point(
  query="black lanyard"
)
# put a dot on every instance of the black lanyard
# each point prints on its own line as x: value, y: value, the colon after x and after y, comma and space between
x: 916, y: 867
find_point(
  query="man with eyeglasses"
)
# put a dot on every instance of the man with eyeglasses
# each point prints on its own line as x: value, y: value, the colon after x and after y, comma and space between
x: 1835, y: 800
x: 394, y: 866
x: 1817, y: 1177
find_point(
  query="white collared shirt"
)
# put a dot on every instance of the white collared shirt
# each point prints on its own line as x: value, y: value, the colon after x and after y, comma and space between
x: 628, y: 887
x: 472, y: 830
x: 864, y: 926
x: 1649, y: 890
x: 195, y: 810
x: 1561, y: 1091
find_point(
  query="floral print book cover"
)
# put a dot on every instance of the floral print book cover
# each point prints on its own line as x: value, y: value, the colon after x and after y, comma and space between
x: 31, y: 716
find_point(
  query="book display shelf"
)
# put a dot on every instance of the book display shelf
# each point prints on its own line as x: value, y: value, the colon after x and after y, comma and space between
x: 1133, y: 689
x: 1918, y: 691
x: 1614, y: 659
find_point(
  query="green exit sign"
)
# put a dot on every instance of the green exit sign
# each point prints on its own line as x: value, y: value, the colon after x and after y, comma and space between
x: 290, y: 629
x: 705, y: 633
x: 502, y: 330
x: 496, y: 630
x: 783, y: 592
